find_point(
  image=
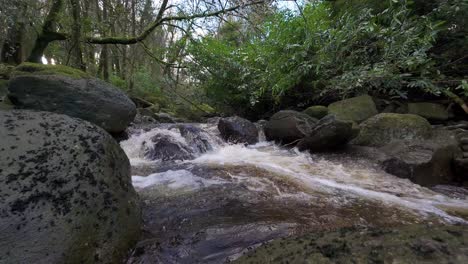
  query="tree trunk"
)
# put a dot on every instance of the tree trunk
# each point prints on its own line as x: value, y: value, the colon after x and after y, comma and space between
x: 77, y: 53
x: 48, y: 33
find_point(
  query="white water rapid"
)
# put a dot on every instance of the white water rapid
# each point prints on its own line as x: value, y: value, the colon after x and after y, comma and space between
x: 266, y: 186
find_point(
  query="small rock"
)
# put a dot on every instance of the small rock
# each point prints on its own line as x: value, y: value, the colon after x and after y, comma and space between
x: 430, y: 111
x: 317, y: 111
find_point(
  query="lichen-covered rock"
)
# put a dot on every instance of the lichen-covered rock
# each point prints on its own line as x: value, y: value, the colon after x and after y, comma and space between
x: 404, y: 245
x: 430, y: 111
x: 68, y: 91
x: 355, y: 109
x: 317, y: 111
x: 238, y: 130
x: 65, y: 191
x: 328, y: 134
x: 288, y: 126
x: 386, y: 127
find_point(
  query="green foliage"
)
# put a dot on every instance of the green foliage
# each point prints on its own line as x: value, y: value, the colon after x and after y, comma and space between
x: 377, y: 47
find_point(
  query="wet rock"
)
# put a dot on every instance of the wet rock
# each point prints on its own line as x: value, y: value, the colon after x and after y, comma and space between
x: 288, y: 126
x: 65, y: 190
x: 386, y: 127
x: 64, y: 90
x: 425, y: 162
x: 195, y: 137
x: 238, y: 130
x: 328, y: 134
x: 355, y: 109
x: 430, y: 111
x: 317, y: 111
x: 409, y: 244
x: 167, y: 148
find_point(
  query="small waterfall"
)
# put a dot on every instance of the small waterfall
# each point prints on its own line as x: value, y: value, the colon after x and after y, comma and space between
x: 170, y: 143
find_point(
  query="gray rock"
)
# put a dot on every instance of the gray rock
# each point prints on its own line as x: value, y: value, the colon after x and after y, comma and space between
x: 238, y: 130
x: 328, y: 134
x: 90, y: 99
x: 164, y: 118
x: 65, y: 191
x: 288, y: 126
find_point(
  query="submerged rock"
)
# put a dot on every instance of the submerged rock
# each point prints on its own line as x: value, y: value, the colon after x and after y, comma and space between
x: 328, y: 134
x: 238, y: 130
x: 288, y: 126
x: 317, y: 111
x: 386, y: 127
x: 430, y: 111
x: 64, y: 90
x: 355, y: 109
x: 410, y: 244
x: 65, y: 191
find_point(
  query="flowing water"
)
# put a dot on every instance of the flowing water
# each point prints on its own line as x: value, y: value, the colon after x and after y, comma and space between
x: 229, y: 198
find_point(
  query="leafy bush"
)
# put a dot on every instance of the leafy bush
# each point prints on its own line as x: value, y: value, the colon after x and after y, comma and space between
x: 322, y: 54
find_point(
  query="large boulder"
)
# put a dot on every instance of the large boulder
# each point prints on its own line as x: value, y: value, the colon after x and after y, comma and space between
x: 430, y: 111
x: 386, y: 127
x: 238, y: 130
x: 71, y: 92
x: 425, y: 162
x: 408, y: 244
x: 288, y: 126
x: 317, y: 111
x: 328, y: 134
x: 355, y: 109
x: 65, y: 191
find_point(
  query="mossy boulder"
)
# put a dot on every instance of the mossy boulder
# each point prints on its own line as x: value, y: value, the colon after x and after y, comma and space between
x: 430, y: 111
x: 355, y: 109
x: 404, y: 245
x: 386, y: 127
x: 317, y: 111
x: 65, y: 190
x: 28, y: 68
x: 68, y: 91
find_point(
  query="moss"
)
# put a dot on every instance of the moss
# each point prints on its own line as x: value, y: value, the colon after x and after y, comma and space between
x: 29, y: 68
x: 5, y: 71
x: 383, y: 128
x: 355, y: 109
x: 317, y: 111
x: 409, y: 244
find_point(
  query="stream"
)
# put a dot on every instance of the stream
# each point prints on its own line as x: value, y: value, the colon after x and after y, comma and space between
x: 224, y: 199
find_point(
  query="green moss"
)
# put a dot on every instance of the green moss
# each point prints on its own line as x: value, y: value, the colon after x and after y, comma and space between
x: 405, y: 245
x: 355, y: 109
x: 29, y: 68
x: 5, y: 71
x: 317, y: 111
x: 383, y: 128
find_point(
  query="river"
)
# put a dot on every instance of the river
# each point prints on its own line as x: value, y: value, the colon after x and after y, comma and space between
x: 225, y: 199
